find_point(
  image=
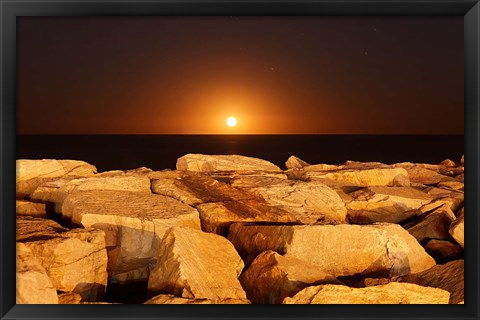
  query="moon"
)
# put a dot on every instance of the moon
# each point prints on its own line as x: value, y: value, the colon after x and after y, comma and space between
x: 231, y: 122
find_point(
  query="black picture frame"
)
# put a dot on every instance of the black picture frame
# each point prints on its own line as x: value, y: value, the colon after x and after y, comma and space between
x: 10, y: 9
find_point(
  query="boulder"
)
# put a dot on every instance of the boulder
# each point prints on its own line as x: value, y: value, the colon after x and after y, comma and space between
x: 443, y: 251
x: 449, y: 277
x: 432, y: 225
x: 32, y: 173
x: 295, y: 163
x: 422, y: 174
x: 28, y: 208
x: 69, y: 298
x: 56, y: 191
x: 272, y: 277
x: 203, y: 162
x: 33, y: 284
x: 134, y: 224
x: 453, y: 198
x: 385, y: 204
x: 339, y: 250
x: 392, y: 293
x: 75, y: 260
x: 170, y: 299
x: 456, y: 229
x: 197, y: 265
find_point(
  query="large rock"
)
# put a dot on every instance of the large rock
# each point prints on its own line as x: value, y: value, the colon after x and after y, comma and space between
x: 134, y: 224
x: 33, y: 284
x: 424, y: 174
x: 308, y: 201
x: 56, y: 191
x: 432, y: 225
x: 32, y: 173
x: 392, y: 293
x: 272, y: 277
x: 453, y: 198
x: 295, y: 163
x: 28, y: 208
x: 339, y: 250
x: 456, y: 229
x: 449, y: 277
x: 75, y: 260
x: 203, y: 162
x: 195, y: 264
x: 443, y: 251
x: 384, y: 176
x: 385, y: 204
x: 170, y: 299
x: 69, y: 298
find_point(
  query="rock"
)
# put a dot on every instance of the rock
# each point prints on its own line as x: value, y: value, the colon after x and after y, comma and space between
x: 358, y: 177
x: 385, y: 204
x: 419, y: 174
x: 202, y: 162
x: 33, y: 284
x: 454, y: 185
x: 443, y: 251
x: 32, y: 173
x: 75, y: 260
x: 462, y: 160
x: 134, y: 224
x: 447, y: 163
x: 432, y: 225
x: 308, y: 201
x: 339, y: 250
x: 295, y: 163
x: 28, y: 208
x: 392, y: 293
x: 456, y: 230
x: 170, y: 299
x: 449, y: 277
x: 69, y: 298
x: 195, y: 264
x: 272, y: 277
x: 453, y: 198
x: 56, y: 191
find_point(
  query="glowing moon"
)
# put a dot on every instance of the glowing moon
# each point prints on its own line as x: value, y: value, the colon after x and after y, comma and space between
x: 231, y: 122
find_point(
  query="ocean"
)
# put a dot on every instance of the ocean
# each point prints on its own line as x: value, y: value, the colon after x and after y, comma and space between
x: 109, y: 152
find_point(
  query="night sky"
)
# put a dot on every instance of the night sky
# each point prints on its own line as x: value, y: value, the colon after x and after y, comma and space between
x: 276, y: 75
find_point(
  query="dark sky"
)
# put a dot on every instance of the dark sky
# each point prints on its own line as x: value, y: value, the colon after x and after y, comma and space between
x: 276, y: 75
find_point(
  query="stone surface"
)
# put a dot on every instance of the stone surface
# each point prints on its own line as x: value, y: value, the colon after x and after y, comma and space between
x: 392, y: 293
x: 443, y: 251
x: 432, y: 225
x: 196, y: 264
x: 272, y: 277
x: 170, y: 299
x: 32, y: 173
x: 453, y: 198
x: 203, y: 162
x: 456, y: 229
x: 295, y: 163
x: 75, y: 260
x: 423, y: 174
x: 33, y: 286
x: 134, y: 224
x: 56, y: 191
x: 28, y: 208
x: 339, y: 250
x: 449, y: 277
x: 69, y: 298
x: 385, y: 204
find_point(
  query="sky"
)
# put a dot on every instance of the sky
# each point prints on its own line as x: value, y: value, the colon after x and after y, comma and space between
x: 275, y: 75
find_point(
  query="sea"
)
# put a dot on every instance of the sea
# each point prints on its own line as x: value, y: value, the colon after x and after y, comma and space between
x: 158, y: 152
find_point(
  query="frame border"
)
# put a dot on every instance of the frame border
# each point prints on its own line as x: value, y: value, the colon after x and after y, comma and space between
x: 10, y: 9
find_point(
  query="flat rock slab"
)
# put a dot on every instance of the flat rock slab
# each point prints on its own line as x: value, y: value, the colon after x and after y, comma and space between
x: 449, y: 277
x: 432, y: 225
x: 196, y: 264
x: 339, y: 250
x: 170, y: 299
x: 28, y: 208
x: 272, y: 277
x: 134, y: 224
x: 33, y: 286
x: 203, y: 162
x: 456, y: 229
x: 424, y: 174
x: 385, y: 204
x: 75, y: 260
x: 32, y: 173
x: 392, y: 293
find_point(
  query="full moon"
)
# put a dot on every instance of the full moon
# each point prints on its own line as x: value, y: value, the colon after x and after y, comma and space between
x: 231, y: 122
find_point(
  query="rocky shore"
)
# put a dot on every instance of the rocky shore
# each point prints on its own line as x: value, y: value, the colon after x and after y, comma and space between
x: 230, y: 229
